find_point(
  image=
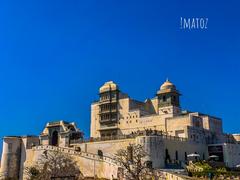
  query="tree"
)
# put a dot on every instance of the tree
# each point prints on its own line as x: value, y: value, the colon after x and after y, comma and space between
x: 54, y: 165
x: 131, y: 160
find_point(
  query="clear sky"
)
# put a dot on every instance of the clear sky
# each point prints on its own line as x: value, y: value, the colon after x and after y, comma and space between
x: 54, y: 55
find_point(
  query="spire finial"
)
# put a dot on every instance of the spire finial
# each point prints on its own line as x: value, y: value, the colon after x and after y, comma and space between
x: 167, y: 80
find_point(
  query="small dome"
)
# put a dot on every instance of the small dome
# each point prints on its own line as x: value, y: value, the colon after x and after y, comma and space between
x: 110, y: 85
x: 167, y: 85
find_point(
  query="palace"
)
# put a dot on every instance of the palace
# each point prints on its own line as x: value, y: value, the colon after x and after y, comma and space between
x: 167, y: 133
x: 117, y: 114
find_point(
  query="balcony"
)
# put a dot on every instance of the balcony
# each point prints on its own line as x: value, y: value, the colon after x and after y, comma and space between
x: 104, y: 101
x: 113, y: 120
x: 107, y: 111
x: 102, y: 128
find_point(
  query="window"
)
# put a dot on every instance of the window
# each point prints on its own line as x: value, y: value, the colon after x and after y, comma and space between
x: 176, y: 154
x: 167, y: 156
x: 113, y: 95
x: 164, y: 98
x: 174, y: 98
x: 100, y: 153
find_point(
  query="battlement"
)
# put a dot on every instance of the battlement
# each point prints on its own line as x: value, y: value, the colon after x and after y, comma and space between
x: 133, y: 136
x: 72, y: 151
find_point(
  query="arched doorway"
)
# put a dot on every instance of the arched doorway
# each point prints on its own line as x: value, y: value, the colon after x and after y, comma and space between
x: 55, y: 138
x: 167, y: 157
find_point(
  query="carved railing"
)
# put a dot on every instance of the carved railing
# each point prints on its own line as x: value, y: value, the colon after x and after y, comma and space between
x: 131, y: 136
x: 72, y: 151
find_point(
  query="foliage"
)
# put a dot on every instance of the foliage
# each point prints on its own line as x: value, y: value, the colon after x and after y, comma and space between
x: 53, y: 164
x: 221, y: 170
x: 132, y: 162
x: 204, y: 165
x: 216, y: 172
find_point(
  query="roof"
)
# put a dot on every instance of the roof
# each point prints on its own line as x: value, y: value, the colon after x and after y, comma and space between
x: 167, y: 87
x: 108, y: 86
x: 65, y: 127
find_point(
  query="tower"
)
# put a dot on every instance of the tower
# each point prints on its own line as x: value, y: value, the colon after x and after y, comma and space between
x: 108, y: 109
x: 168, y: 99
x: 11, y: 157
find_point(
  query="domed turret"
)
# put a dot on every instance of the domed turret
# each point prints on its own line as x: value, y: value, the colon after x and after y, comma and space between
x: 168, y: 95
x: 166, y: 87
x: 108, y: 86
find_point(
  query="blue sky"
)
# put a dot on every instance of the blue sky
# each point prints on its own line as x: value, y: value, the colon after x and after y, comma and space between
x: 54, y: 55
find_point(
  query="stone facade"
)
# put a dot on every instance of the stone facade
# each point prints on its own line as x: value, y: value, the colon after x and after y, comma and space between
x: 60, y: 133
x: 117, y: 114
x: 14, y: 154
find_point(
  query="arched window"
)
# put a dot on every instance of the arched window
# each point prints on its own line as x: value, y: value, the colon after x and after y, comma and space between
x: 55, y: 138
x: 174, y: 98
x: 164, y: 98
x: 167, y: 156
x: 176, y: 155
x: 100, y: 153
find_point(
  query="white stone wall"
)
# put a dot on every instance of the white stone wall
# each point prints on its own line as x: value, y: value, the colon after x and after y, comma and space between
x: 27, y: 143
x: 231, y: 153
x: 11, y: 154
x: 184, y: 146
x: 95, y: 125
x: 89, y: 164
x: 109, y: 148
x: 155, y: 147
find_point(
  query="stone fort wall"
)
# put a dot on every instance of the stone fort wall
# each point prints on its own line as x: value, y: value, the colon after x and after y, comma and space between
x: 89, y: 164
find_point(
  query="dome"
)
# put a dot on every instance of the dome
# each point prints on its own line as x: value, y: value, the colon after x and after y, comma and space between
x: 110, y: 85
x: 167, y: 85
